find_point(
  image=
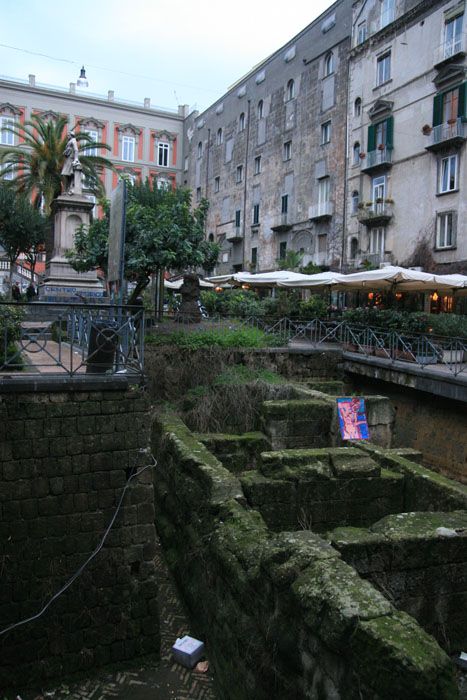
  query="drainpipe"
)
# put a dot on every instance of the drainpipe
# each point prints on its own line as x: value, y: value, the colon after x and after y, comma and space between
x: 245, y: 186
x: 346, y: 161
x: 208, y: 153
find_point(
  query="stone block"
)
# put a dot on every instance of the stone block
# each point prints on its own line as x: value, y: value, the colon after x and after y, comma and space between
x: 348, y: 463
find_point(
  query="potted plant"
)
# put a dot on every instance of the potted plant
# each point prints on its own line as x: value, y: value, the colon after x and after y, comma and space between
x: 426, y: 129
x: 381, y: 147
x: 362, y: 155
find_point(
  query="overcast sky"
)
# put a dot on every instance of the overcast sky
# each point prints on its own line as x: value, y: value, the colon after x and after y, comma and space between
x: 173, y: 51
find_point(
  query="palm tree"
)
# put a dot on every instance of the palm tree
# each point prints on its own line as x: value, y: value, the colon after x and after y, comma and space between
x: 37, y: 162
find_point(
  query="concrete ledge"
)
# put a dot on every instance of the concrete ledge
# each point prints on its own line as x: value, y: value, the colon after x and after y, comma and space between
x: 87, y: 382
x: 430, y: 380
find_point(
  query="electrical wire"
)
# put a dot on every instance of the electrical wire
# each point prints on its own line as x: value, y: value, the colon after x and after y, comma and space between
x: 88, y: 560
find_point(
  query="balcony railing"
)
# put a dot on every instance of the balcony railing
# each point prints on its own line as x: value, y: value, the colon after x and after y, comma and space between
x: 323, y: 210
x: 450, y: 48
x: 234, y: 234
x: 448, y: 133
x: 376, y: 213
x: 283, y: 222
x: 379, y: 159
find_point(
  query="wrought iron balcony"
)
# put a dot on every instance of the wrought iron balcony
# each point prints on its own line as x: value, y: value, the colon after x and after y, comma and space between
x: 455, y: 47
x: 323, y: 210
x: 451, y: 133
x: 380, y: 159
x: 375, y: 213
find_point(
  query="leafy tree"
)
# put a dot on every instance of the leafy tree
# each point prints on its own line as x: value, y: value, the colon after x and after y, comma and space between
x: 162, y: 232
x: 22, y: 227
x: 37, y: 162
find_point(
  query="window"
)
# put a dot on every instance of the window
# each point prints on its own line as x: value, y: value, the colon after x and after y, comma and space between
x: 450, y: 106
x: 284, y: 203
x: 6, y: 175
x: 260, y: 109
x: 241, y: 122
x: 239, y: 174
x: 355, y: 201
x: 257, y: 169
x: 381, y: 135
x: 238, y: 217
x: 377, y: 240
x: 6, y: 137
x: 200, y: 149
x: 378, y: 189
x: 387, y: 12
x: 198, y: 194
x: 329, y: 64
x: 446, y: 230
x: 383, y: 68
x: 225, y: 257
x: 163, y: 183
x: 163, y: 154
x: 325, y: 132
x: 219, y: 137
x: 361, y: 32
x: 287, y: 150
x: 353, y: 248
x: 356, y: 153
x: 453, y: 36
x: 447, y: 174
x: 217, y: 184
x: 255, y: 214
x: 323, y: 190
x: 211, y: 238
x: 282, y: 250
x: 357, y: 107
x: 90, y: 150
x: 290, y: 92
x: 254, y: 257
x: 128, y: 148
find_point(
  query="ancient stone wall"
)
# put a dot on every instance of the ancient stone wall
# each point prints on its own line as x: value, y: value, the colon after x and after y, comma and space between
x: 282, y: 614
x: 66, y: 457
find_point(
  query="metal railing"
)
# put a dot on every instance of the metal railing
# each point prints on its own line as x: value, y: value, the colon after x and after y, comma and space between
x: 423, y: 350
x: 453, y: 129
x: 71, y: 339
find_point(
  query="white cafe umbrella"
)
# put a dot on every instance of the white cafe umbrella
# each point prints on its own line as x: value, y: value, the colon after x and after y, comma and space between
x: 321, y: 279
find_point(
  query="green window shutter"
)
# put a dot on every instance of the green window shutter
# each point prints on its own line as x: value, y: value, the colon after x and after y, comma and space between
x: 437, y: 110
x: 390, y: 132
x: 461, y: 103
x: 371, y: 138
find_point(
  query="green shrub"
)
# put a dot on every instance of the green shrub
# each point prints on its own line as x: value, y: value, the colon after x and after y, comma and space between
x: 407, y: 322
x: 314, y: 307
x: 10, y: 332
x: 222, y: 338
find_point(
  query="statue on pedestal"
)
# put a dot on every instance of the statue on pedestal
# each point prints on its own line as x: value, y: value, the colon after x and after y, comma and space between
x: 71, y: 164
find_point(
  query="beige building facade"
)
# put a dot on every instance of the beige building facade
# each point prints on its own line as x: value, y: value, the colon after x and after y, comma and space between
x: 407, y: 166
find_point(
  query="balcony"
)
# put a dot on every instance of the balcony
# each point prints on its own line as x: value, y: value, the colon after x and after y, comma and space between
x: 376, y: 260
x: 323, y: 210
x: 451, y: 133
x: 455, y: 47
x: 380, y: 159
x: 375, y: 213
x: 234, y: 234
x: 282, y: 223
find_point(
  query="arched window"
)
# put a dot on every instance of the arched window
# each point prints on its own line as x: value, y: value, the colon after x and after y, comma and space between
x: 260, y: 109
x: 355, y: 201
x: 356, y: 153
x: 241, y: 122
x: 357, y: 107
x: 211, y: 238
x: 290, y: 92
x: 329, y: 64
x: 200, y: 149
x: 353, y: 248
x: 219, y: 137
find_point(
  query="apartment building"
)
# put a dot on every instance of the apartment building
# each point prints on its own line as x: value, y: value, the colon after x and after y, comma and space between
x: 407, y: 167
x: 269, y: 155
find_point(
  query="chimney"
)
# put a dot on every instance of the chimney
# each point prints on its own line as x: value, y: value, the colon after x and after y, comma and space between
x: 73, y: 88
x: 110, y: 95
x: 183, y: 110
x: 147, y: 103
x: 32, y: 80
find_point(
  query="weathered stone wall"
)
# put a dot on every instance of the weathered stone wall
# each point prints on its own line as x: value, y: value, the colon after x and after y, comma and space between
x: 431, y: 424
x: 283, y: 615
x: 65, y: 459
x: 170, y: 374
x: 419, y: 570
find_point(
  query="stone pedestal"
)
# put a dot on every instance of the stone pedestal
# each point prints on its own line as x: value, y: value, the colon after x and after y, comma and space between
x: 61, y: 282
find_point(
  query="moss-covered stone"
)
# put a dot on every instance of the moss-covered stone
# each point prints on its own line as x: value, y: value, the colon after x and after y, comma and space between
x: 397, y: 659
x: 347, y: 464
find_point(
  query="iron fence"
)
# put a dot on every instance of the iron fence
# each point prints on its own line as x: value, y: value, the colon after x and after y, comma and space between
x: 55, y: 338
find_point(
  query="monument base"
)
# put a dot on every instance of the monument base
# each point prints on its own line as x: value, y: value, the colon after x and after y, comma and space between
x: 62, y: 284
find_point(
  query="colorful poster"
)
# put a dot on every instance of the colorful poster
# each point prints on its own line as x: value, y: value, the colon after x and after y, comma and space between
x: 352, y: 419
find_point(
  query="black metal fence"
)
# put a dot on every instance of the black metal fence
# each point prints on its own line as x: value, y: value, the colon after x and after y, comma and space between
x: 53, y: 338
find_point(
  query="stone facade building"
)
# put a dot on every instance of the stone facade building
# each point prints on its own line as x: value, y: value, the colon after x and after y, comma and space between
x: 407, y: 171
x: 269, y: 155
